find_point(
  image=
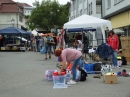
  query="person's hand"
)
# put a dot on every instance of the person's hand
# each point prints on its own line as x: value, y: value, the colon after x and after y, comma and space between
x: 62, y: 70
x: 59, y: 71
x: 86, y: 62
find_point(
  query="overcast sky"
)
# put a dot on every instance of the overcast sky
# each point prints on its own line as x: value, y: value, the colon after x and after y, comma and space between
x: 31, y: 1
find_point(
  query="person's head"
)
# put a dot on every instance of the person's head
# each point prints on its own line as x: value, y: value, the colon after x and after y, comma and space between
x: 58, y: 52
x: 76, y: 41
x: 111, y: 33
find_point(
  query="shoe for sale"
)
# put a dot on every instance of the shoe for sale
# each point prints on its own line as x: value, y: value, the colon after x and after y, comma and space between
x: 118, y: 67
x: 71, y: 82
x: 113, y: 67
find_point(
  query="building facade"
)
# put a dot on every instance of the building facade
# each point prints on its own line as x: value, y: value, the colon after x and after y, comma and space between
x: 118, y: 12
x: 28, y: 10
x: 89, y: 7
x: 10, y: 10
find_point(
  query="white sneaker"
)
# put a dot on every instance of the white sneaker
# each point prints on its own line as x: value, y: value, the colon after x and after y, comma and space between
x: 118, y: 67
x: 113, y: 66
x: 71, y: 82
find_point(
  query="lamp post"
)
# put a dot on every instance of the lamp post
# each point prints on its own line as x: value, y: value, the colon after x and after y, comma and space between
x: 13, y: 22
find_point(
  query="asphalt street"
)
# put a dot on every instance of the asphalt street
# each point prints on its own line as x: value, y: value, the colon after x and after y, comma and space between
x: 22, y: 74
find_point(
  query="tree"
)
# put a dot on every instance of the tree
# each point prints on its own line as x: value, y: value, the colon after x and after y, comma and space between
x: 49, y: 14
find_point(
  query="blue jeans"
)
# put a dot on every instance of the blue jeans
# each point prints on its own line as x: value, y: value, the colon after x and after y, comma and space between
x: 75, y: 64
x: 47, y: 49
x: 114, y: 58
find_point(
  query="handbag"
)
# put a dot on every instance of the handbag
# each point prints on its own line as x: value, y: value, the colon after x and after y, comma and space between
x: 43, y: 50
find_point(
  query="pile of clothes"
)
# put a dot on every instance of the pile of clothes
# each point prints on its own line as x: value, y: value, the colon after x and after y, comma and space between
x: 123, y: 73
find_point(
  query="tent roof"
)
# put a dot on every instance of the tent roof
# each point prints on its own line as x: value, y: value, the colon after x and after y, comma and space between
x: 12, y: 30
x: 87, y: 21
x: 81, y: 29
x: 118, y: 31
x: 34, y: 32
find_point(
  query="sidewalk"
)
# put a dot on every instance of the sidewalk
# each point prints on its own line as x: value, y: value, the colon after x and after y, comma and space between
x: 22, y: 74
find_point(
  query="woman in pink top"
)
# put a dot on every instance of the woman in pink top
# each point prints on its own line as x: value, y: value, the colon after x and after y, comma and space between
x: 68, y: 55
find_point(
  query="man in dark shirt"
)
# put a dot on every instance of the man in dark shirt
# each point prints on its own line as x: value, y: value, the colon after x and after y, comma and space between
x: 37, y: 42
x: 85, y: 45
x: 55, y: 41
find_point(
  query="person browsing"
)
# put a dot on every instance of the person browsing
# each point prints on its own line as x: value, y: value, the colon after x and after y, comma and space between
x: 69, y: 55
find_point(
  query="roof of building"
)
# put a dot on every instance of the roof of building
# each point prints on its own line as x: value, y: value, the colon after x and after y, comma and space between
x: 9, y: 7
x: 23, y: 4
x: 6, y: 1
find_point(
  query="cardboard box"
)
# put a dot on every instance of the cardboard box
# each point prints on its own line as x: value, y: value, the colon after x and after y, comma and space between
x: 125, y: 43
x: 110, y: 78
x: 7, y: 48
x: 128, y: 59
x: 120, y: 54
x: 125, y: 38
x: 2, y: 48
x: 15, y: 48
x: 126, y: 49
x: 126, y: 53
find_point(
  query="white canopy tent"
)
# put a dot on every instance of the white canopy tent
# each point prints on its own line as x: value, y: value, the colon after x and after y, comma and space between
x: 85, y: 21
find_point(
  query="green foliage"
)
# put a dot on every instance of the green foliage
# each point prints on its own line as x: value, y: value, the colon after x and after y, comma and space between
x: 49, y: 14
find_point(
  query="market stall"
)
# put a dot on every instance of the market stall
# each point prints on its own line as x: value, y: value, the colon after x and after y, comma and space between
x: 13, y: 39
x: 86, y: 21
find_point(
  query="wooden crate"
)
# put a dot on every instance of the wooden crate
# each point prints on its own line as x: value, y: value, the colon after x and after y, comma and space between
x: 128, y: 59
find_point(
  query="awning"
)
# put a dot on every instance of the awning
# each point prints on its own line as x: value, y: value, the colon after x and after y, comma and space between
x: 118, y: 31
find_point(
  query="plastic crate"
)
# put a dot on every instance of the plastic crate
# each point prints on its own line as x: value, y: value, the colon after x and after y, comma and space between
x: 49, y: 75
x: 60, y: 81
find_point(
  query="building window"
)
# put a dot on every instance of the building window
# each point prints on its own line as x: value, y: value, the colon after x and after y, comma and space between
x: 80, y: 1
x: 20, y: 18
x: 8, y: 18
x: 74, y: 4
x: 108, y: 3
x: 86, y: 10
x: 117, y: 1
x: 98, y: 6
x: 80, y: 12
x: 90, y: 8
x: 98, y: 9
